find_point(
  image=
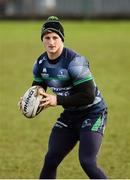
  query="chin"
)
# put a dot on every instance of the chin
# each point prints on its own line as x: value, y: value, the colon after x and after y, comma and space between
x: 52, y: 51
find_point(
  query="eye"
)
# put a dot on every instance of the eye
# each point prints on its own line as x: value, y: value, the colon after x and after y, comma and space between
x: 47, y: 37
x: 55, y: 37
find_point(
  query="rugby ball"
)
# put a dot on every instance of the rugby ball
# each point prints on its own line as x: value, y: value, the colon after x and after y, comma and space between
x: 30, y: 102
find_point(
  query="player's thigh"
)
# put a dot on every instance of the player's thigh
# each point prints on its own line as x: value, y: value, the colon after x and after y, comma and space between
x: 62, y: 141
x: 89, y: 145
x: 91, y: 133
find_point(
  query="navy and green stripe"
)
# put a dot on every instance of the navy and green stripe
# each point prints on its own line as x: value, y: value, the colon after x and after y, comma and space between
x: 97, y: 124
x: 88, y: 78
x: 50, y: 78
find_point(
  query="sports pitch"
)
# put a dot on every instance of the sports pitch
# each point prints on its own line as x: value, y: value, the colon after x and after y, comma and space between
x: 23, y: 143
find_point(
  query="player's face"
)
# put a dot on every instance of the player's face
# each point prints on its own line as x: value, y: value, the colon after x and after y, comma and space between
x: 53, y: 44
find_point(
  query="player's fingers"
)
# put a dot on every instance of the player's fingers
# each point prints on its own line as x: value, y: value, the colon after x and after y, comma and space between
x: 40, y: 91
x: 19, y: 105
x: 44, y: 94
x: 44, y: 102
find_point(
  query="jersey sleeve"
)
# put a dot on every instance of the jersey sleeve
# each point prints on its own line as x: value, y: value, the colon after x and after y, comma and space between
x: 36, y: 73
x: 79, y: 70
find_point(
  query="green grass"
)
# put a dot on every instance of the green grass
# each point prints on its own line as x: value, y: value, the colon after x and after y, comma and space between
x: 23, y: 143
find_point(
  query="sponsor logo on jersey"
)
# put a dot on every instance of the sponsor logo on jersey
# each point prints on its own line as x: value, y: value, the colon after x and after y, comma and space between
x: 62, y: 91
x: 41, y: 60
x: 44, y: 70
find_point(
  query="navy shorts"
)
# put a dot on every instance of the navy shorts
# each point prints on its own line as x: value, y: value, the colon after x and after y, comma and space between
x: 92, y: 121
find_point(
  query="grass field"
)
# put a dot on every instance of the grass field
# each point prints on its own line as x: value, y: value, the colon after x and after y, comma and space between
x: 23, y: 143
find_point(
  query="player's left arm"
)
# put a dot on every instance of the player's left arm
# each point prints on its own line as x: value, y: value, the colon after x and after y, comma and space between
x: 85, y: 95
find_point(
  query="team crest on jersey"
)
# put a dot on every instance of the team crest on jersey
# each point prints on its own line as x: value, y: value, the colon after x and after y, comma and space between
x: 63, y: 73
x: 87, y: 122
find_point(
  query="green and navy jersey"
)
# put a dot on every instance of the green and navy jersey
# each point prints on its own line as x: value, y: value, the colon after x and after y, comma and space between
x: 64, y: 73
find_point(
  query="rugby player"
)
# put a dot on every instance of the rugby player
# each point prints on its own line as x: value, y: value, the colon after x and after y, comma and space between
x: 83, y: 119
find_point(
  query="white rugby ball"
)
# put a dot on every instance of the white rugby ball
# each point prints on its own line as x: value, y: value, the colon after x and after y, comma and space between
x: 30, y: 102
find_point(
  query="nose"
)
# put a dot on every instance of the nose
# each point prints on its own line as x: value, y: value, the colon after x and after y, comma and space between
x: 51, y: 41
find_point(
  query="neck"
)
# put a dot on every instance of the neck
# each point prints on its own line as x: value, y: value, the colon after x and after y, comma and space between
x: 53, y: 56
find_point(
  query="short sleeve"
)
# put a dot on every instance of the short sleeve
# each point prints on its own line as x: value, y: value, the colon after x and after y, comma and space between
x: 36, y: 72
x: 79, y: 70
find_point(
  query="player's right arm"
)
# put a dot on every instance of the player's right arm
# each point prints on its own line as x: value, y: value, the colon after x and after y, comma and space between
x: 37, y: 81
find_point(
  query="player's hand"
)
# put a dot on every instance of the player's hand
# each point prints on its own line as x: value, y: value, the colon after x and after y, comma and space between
x: 48, y: 100
x: 40, y: 90
x: 20, y: 104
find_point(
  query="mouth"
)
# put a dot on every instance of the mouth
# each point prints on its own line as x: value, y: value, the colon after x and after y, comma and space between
x: 51, y: 47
